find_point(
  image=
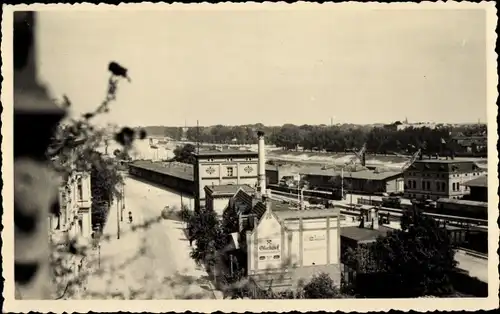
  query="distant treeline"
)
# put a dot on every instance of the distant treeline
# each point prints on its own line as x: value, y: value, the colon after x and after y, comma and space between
x: 384, y: 140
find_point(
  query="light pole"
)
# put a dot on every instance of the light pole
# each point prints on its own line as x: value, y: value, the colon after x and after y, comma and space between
x: 117, y: 220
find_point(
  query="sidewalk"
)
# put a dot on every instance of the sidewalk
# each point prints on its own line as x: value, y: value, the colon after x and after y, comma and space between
x: 177, y: 232
x: 104, y: 280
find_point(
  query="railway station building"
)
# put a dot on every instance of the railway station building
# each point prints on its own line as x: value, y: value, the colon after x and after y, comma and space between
x: 440, y: 178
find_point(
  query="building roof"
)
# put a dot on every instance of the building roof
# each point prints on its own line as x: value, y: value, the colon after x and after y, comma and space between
x: 306, y: 213
x: 443, y: 161
x: 360, y: 175
x: 445, y: 165
x: 481, y: 181
x: 363, y: 234
x: 228, y: 152
x: 249, y: 205
x: 175, y: 169
x: 228, y: 190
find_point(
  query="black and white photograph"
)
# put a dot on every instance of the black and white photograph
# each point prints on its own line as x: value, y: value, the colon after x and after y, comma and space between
x: 215, y: 156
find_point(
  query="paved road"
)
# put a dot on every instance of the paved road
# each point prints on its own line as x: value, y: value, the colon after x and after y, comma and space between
x: 151, y: 263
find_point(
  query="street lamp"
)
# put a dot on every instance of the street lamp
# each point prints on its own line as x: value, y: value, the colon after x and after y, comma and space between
x: 117, y: 220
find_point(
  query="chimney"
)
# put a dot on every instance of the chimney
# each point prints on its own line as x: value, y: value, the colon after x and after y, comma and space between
x: 262, y: 164
x: 374, y: 218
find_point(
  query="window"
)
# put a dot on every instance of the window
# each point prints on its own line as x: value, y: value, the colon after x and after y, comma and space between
x: 229, y: 171
x: 443, y: 186
x: 454, y: 187
x: 458, y: 186
x: 428, y: 185
x: 80, y: 189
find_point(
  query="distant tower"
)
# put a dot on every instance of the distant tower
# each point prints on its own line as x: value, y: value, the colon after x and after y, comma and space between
x: 406, y: 120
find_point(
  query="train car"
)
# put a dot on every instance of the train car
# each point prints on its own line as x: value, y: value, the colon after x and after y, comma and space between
x: 462, y: 208
x: 334, y: 194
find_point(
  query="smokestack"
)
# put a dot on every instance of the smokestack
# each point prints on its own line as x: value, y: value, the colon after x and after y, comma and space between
x: 262, y: 164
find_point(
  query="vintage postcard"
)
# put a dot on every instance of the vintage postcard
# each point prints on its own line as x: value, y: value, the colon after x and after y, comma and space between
x: 249, y: 157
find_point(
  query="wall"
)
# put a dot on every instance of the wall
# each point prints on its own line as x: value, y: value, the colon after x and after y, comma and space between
x: 312, y: 241
x: 438, y: 184
x: 394, y: 185
x: 266, y: 246
x: 220, y: 204
x: 214, y: 171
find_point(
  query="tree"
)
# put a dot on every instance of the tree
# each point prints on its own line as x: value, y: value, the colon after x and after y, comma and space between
x: 184, y: 154
x: 321, y: 287
x: 416, y: 260
x: 205, y: 228
x: 74, y: 149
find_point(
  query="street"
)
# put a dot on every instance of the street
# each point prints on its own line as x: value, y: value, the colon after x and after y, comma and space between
x: 149, y: 263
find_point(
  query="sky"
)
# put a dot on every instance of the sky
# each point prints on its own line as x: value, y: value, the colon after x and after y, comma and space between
x: 303, y: 66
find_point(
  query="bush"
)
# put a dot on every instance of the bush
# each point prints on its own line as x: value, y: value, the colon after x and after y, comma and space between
x: 321, y: 287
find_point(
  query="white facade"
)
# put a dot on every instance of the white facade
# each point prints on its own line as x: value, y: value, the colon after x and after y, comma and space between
x: 75, y: 200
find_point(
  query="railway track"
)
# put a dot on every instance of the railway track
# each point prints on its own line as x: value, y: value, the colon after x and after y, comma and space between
x: 457, y: 221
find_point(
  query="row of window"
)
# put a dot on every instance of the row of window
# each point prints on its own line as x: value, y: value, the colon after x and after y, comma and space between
x: 411, y: 195
x: 230, y: 159
x: 440, y: 175
x: 440, y: 186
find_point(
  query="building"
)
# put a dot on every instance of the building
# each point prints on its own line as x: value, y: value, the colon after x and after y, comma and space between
x: 217, y: 196
x: 472, y: 144
x: 478, y: 189
x: 274, y: 173
x: 75, y: 200
x: 439, y: 178
x: 173, y: 175
x: 363, y: 181
x: 283, y: 245
x: 228, y: 167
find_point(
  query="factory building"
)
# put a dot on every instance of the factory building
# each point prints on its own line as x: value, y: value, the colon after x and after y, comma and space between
x: 278, y: 244
x: 221, y: 168
x: 363, y: 181
x: 439, y: 178
x: 282, y: 245
x: 218, y: 196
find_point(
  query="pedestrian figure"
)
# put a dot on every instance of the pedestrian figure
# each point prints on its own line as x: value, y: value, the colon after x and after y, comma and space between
x: 190, y: 237
x: 130, y: 217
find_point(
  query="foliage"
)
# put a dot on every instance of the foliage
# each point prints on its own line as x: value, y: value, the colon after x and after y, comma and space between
x: 340, y: 138
x: 321, y: 286
x: 185, y: 214
x: 205, y: 228
x: 417, y: 260
x: 75, y: 147
x: 184, y: 154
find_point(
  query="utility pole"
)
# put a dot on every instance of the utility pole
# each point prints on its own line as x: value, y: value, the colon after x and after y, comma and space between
x: 117, y: 220
x: 123, y: 194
